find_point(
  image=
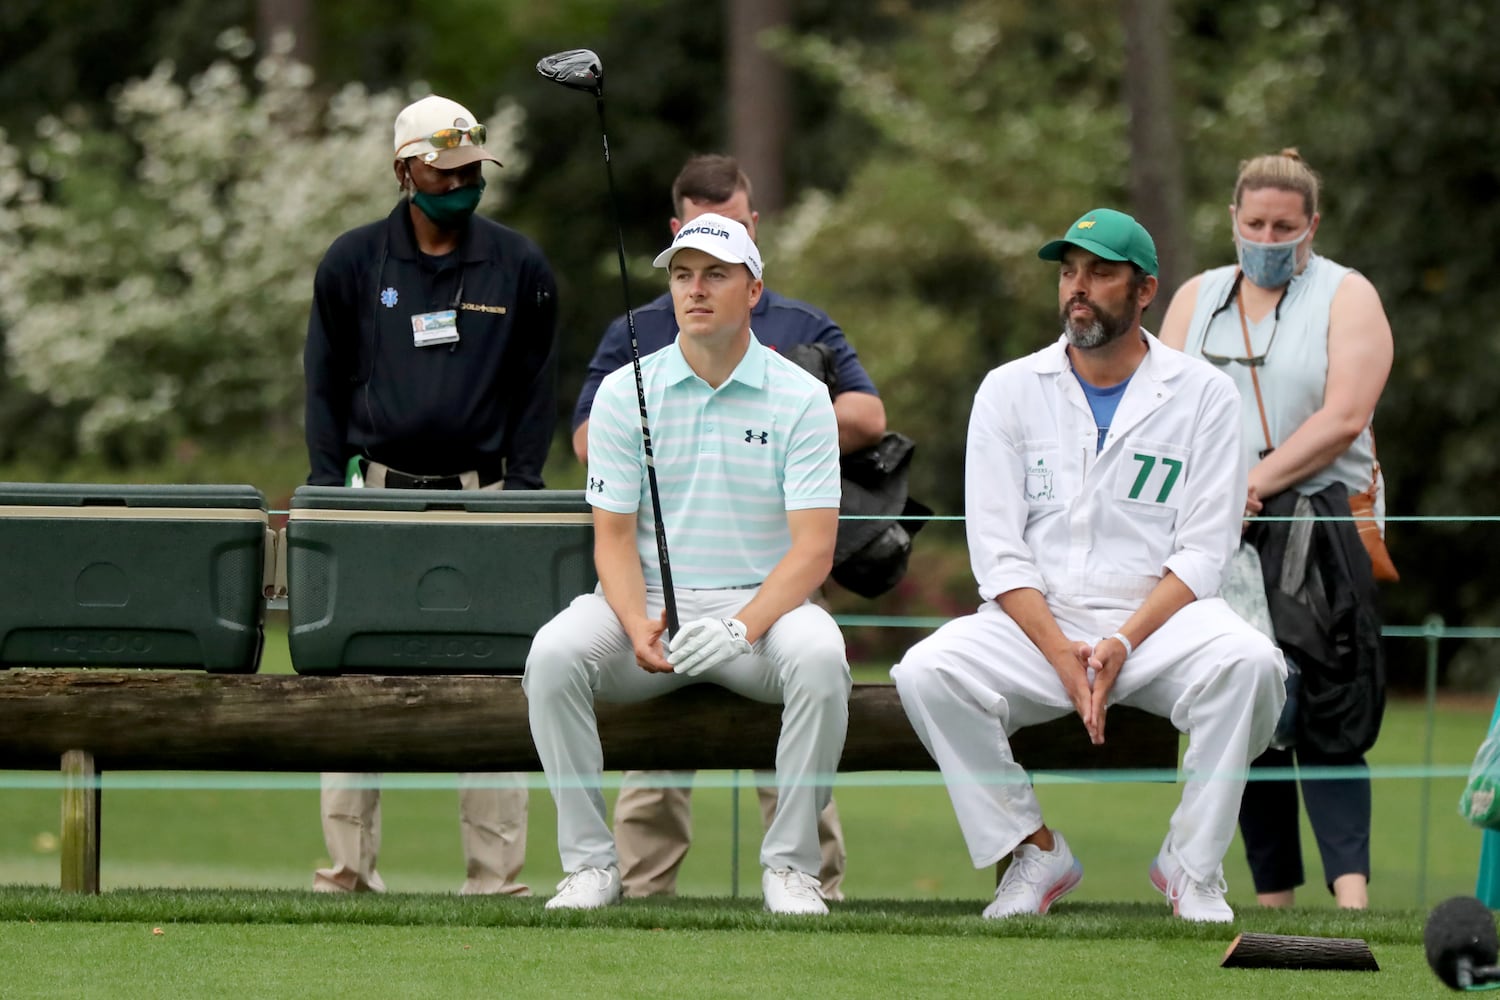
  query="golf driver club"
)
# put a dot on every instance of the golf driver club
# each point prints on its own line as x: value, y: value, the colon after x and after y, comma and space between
x: 580, y: 69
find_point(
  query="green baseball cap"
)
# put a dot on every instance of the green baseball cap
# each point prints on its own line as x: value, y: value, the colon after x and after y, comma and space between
x: 1110, y: 234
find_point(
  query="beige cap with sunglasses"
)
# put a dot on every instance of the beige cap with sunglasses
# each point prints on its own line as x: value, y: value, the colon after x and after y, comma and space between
x: 440, y: 132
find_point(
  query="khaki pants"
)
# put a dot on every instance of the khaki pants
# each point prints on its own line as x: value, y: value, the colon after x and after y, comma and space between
x: 492, y: 823
x: 491, y: 806
x: 653, y: 830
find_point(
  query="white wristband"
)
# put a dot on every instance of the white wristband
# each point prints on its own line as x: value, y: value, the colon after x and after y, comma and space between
x: 1124, y: 642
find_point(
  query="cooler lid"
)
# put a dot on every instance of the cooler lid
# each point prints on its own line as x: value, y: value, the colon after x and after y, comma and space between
x: 340, y: 503
x: 130, y: 497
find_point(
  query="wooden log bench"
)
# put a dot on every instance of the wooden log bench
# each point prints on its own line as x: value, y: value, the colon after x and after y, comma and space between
x: 87, y: 722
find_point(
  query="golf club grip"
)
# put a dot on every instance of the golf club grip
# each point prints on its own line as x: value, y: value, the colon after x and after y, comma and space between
x: 669, y: 596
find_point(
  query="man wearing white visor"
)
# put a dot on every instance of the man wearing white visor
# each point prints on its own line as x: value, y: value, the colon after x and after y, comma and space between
x: 745, y: 448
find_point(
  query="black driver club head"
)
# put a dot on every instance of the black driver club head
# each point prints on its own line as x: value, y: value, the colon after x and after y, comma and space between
x: 577, y: 69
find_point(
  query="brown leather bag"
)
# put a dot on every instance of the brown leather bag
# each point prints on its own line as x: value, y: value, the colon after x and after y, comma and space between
x: 1362, y: 506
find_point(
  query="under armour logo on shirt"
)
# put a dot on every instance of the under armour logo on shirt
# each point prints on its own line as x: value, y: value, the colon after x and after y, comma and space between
x: 596, y: 485
x: 752, y: 436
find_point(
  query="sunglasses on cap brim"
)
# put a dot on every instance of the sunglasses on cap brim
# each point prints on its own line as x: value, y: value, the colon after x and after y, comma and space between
x: 452, y: 138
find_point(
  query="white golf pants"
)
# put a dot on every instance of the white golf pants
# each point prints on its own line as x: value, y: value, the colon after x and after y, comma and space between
x: 978, y: 679
x: 583, y: 654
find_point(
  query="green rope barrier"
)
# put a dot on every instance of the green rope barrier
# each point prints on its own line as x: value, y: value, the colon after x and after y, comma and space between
x: 1428, y: 630
x: 733, y: 780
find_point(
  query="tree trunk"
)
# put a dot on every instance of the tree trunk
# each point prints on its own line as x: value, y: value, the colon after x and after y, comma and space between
x: 1285, y: 951
x: 758, y: 98
x: 97, y: 720
x: 1155, y: 157
x: 194, y: 721
x: 293, y: 16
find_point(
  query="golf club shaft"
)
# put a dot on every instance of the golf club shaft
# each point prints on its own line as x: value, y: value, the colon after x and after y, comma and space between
x: 668, y: 595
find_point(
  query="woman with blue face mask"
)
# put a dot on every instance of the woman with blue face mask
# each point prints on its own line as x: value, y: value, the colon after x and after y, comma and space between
x: 1308, y: 344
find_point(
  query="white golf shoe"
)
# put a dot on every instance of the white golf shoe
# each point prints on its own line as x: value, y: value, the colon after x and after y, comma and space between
x: 789, y: 891
x: 587, y: 889
x: 1202, y: 902
x: 1035, y: 880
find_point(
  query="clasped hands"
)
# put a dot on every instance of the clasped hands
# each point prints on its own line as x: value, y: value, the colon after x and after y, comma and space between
x: 698, y: 646
x: 1088, y: 673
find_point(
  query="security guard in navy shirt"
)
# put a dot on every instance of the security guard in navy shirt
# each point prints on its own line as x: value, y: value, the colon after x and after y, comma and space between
x: 431, y: 348
x: 431, y: 364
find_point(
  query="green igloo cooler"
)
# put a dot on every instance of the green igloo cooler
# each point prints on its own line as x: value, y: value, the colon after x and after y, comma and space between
x: 413, y: 581
x: 132, y: 576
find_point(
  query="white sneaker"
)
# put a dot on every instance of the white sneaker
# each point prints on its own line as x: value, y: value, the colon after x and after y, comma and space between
x: 587, y: 889
x: 789, y: 891
x: 1035, y: 880
x: 1202, y: 902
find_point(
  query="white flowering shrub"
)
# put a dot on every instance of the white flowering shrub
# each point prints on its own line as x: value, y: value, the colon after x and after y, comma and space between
x: 156, y: 272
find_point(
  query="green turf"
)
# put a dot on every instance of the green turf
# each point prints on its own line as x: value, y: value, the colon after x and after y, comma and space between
x: 296, y: 945
x: 939, y: 918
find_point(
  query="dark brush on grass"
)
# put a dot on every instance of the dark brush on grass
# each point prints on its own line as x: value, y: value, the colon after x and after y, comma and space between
x: 581, y: 69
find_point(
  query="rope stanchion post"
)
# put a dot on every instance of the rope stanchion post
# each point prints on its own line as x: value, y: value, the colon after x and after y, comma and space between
x: 80, y: 823
x: 734, y: 836
x: 1432, y: 628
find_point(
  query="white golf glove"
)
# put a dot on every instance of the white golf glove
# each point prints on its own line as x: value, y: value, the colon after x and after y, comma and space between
x: 706, y: 643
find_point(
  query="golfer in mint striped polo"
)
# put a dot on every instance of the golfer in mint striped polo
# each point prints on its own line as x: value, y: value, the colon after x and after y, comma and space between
x: 747, y: 463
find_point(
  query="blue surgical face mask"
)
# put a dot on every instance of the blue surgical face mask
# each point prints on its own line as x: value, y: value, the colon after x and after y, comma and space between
x: 1269, y: 265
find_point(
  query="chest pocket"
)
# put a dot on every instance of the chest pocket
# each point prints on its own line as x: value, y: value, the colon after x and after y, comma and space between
x: 1043, y: 484
x: 1152, y: 477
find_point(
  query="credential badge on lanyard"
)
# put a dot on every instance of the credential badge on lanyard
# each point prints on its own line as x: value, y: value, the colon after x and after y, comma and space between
x: 433, y: 328
x: 430, y: 329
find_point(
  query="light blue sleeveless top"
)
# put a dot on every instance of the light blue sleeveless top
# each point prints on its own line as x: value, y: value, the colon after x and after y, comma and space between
x: 1295, y: 373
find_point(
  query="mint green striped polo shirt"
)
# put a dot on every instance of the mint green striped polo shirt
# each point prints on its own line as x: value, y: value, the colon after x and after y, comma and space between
x: 730, y: 462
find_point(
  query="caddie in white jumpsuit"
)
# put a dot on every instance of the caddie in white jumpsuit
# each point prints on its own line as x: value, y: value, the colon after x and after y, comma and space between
x: 1104, y: 487
x: 747, y: 460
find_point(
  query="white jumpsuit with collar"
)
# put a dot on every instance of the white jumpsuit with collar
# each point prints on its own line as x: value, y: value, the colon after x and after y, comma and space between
x: 1094, y: 532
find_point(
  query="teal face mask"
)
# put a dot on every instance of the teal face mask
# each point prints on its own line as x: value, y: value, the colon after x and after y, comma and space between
x: 451, y: 209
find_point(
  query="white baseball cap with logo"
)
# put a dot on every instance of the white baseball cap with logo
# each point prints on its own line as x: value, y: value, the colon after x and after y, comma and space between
x: 718, y: 236
x: 441, y: 133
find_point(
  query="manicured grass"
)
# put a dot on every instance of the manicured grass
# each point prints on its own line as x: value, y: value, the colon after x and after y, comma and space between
x: 903, y: 917
x: 318, y: 961
x: 281, y: 944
